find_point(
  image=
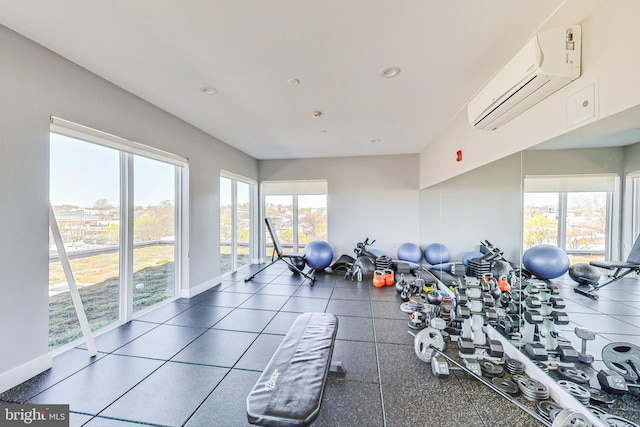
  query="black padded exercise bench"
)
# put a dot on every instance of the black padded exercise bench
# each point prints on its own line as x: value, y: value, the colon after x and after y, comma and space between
x: 289, y: 391
x: 621, y: 269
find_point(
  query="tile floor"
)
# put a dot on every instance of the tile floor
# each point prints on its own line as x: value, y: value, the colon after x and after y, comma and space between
x: 193, y: 361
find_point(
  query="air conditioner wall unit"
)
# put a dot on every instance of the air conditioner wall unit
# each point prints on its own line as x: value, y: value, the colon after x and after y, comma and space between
x: 549, y: 61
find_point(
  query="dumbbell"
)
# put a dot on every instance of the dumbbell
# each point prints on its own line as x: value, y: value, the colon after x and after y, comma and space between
x: 509, y: 323
x: 440, y: 367
x: 537, y: 351
x: 585, y: 335
x: 467, y: 346
x: 535, y: 317
x: 614, y: 383
x: 535, y: 302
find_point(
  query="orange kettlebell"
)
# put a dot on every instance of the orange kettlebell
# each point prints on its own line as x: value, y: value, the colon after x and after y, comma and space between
x: 378, y: 278
x: 503, y: 284
x: 389, y: 276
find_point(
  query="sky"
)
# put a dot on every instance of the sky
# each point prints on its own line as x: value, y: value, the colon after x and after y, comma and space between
x: 82, y: 172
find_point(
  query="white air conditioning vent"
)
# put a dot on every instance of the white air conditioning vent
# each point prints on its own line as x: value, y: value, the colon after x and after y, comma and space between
x: 549, y: 61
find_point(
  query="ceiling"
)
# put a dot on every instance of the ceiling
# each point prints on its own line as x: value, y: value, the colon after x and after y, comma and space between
x: 166, y: 51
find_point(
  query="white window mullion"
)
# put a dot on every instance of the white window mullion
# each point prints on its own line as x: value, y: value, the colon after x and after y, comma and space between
x: 562, y: 221
x: 126, y: 236
x: 177, y: 226
x: 234, y: 225
x: 296, y: 249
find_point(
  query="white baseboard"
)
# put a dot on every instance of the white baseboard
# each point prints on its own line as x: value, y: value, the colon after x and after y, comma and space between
x: 20, y: 374
x: 191, y: 292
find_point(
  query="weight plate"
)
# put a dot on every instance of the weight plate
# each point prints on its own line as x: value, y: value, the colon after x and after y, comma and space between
x: 544, y: 408
x: 491, y: 370
x: 576, y: 390
x: 574, y: 375
x: 533, y: 390
x: 624, y: 358
x: 598, y: 412
x: 514, y: 367
x: 553, y: 413
x: 615, y: 421
x: 409, y: 307
x: 601, y: 397
x: 543, y: 366
x: 505, y: 385
x: 569, y: 418
x: 423, y: 342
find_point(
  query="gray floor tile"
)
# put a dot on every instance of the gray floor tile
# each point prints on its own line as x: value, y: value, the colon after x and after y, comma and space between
x: 350, y: 403
x: 358, y: 359
x: 259, y: 354
x: 110, y: 422
x: 303, y: 305
x: 217, y: 347
x: 169, y: 396
x: 162, y: 342
x: 164, y: 313
x: 98, y: 385
x: 281, y: 323
x: 343, y: 307
x: 63, y: 366
x: 276, y: 289
x: 355, y: 328
x: 265, y: 302
x: 226, y: 299
x: 246, y: 320
x: 226, y: 406
x: 353, y: 293
x: 314, y: 292
x: 124, y: 334
x: 200, y: 316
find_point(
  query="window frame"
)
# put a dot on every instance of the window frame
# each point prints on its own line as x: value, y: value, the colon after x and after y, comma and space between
x: 565, y: 184
x: 294, y: 189
x: 127, y: 149
x: 253, y: 197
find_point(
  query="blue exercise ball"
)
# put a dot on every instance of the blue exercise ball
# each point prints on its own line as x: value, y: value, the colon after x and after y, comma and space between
x: 471, y: 255
x: 584, y: 273
x: 318, y: 254
x: 546, y: 261
x: 436, y: 253
x: 409, y: 252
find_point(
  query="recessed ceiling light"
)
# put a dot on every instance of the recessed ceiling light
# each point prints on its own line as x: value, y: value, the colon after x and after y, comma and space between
x: 209, y: 90
x: 293, y: 81
x: 376, y: 141
x: 390, y: 72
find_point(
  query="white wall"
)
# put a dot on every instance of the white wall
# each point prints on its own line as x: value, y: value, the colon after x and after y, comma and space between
x: 610, y: 38
x: 35, y: 84
x: 375, y: 197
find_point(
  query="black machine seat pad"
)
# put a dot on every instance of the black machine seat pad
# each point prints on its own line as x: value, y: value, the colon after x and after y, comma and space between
x: 615, y: 264
x: 289, y: 391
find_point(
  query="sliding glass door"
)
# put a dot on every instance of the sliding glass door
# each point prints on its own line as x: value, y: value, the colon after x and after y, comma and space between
x: 236, y: 222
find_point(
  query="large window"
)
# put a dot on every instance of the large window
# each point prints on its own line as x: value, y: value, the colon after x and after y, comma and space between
x: 236, y: 221
x: 571, y: 212
x: 116, y: 204
x: 298, y: 210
